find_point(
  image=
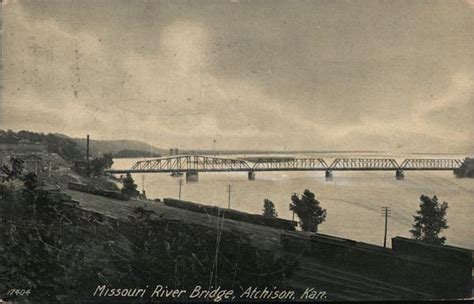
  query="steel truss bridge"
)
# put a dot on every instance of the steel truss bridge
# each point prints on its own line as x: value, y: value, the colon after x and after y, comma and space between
x: 192, y: 164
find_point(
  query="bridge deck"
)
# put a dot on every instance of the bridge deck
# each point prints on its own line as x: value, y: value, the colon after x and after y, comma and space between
x: 198, y: 163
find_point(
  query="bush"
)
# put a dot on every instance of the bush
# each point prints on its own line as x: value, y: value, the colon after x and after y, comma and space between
x: 269, y: 209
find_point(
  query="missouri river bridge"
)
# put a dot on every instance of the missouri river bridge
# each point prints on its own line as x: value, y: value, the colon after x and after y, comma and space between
x: 191, y: 165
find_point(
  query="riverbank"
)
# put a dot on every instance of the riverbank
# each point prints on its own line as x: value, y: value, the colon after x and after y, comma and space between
x: 345, y: 285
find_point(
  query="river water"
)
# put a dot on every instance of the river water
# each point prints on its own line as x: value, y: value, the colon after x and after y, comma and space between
x: 353, y: 200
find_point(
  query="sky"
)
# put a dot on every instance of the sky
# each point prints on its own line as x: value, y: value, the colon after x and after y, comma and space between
x: 394, y: 76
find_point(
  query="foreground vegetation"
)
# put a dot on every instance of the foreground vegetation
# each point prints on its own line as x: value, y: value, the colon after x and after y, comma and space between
x: 61, y: 253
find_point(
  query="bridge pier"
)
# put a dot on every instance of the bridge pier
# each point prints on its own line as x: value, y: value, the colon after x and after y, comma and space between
x: 328, y: 174
x: 399, y: 174
x: 251, y: 175
x: 192, y: 176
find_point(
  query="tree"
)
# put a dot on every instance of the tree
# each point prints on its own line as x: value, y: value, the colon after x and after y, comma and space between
x: 31, y: 181
x: 15, y: 170
x: 99, y: 164
x: 17, y: 165
x: 129, y: 186
x: 308, y: 210
x: 269, y: 209
x: 108, y: 160
x: 97, y: 167
x: 466, y: 169
x: 430, y: 220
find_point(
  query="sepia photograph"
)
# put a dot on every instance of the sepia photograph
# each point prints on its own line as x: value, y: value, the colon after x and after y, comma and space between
x: 218, y: 151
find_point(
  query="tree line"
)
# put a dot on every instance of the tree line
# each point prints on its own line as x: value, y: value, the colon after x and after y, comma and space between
x: 63, y: 146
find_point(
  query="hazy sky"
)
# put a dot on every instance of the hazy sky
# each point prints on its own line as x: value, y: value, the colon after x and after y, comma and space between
x: 383, y: 75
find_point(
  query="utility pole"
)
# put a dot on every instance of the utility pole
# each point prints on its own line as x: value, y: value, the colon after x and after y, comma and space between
x: 386, y: 214
x: 229, y: 190
x: 143, y: 186
x: 293, y: 218
x: 88, y: 168
x: 180, y: 185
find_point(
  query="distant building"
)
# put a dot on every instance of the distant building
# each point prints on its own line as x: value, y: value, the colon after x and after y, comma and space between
x: 22, y: 148
x: 39, y: 161
x: 80, y: 166
x: 174, y: 151
x: 33, y: 162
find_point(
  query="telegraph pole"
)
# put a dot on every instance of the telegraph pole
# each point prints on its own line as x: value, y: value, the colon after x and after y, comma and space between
x: 386, y: 214
x: 293, y: 218
x: 229, y: 190
x: 88, y: 168
x: 180, y: 185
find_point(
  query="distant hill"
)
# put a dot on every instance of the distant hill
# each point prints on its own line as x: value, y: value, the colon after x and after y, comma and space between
x: 115, y: 146
x: 134, y: 154
x: 74, y: 148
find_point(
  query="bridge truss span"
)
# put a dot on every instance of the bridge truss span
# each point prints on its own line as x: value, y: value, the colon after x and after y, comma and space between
x: 188, y: 163
x: 362, y: 164
x: 430, y: 164
x: 296, y: 164
x: 191, y: 164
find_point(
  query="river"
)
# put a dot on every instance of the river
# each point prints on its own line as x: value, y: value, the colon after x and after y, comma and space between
x: 353, y: 200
